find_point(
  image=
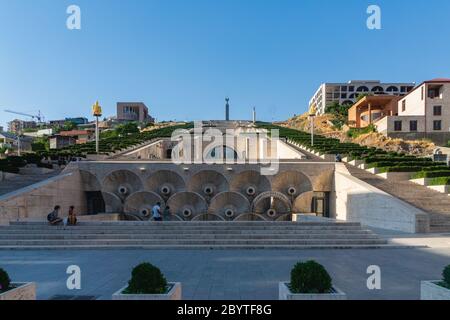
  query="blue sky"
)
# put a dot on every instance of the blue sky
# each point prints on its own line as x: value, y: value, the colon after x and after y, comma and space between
x: 182, y: 57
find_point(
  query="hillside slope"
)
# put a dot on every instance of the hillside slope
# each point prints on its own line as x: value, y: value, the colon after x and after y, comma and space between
x: 324, y: 125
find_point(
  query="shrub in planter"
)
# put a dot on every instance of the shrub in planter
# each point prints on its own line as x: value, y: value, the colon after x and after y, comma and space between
x: 446, y: 277
x: 146, y: 279
x: 310, y: 277
x: 5, y: 281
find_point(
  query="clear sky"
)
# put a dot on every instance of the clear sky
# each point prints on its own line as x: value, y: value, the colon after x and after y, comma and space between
x: 182, y: 57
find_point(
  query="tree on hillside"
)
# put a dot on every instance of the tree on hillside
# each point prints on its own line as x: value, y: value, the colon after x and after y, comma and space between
x: 127, y: 128
x: 362, y: 95
x: 69, y: 126
x: 340, y: 113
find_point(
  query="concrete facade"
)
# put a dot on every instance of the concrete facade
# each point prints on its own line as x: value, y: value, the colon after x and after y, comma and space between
x: 356, y: 200
x: 36, y: 201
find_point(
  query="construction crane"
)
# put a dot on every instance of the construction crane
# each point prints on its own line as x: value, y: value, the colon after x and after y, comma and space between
x: 38, y: 117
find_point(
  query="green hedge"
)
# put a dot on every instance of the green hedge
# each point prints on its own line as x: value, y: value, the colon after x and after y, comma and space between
x: 432, y: 174
x: 374, y: 157
x: 399, y: 169
x: 441, y: 181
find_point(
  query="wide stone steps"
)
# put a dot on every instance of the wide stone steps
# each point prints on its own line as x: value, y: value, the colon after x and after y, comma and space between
x: 193, y: 235
x: 110, y: 242
x: 436, y: 204
x: 183, y: 236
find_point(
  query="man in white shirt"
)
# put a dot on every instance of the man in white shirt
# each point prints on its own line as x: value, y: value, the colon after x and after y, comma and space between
x: 156, y: 212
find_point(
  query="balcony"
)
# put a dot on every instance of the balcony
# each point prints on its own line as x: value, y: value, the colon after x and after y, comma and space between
x: 435, y: 92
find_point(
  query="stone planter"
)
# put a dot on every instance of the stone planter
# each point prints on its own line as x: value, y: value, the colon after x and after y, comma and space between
x: 328, y: 157
x: 173, y: 294
x: 356, y: 163
x: 441, y: 189
x: 421, y: 181
x: 396, y: 176
x: 21, y: 291
x: 373, y: 170
x: 363, y: 166
x: 284, y: 293
x: 430, y: 290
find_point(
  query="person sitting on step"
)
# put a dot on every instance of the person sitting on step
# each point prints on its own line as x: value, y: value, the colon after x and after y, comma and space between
x: 72, y: 218
x: 53, y: 217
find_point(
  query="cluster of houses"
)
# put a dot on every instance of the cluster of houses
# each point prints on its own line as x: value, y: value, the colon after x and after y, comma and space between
x: 397, y: 110
x: 21, y: 133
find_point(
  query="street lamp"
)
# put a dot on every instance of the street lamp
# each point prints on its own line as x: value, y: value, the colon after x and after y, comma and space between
x: 312, y: 114
x: 96, y: 112
x: 19, y: 132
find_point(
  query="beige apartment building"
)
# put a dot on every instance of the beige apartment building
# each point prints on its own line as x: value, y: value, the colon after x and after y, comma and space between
x: 424, y: 113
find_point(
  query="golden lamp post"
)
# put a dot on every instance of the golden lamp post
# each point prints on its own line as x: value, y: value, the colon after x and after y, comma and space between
x: 96, y: 112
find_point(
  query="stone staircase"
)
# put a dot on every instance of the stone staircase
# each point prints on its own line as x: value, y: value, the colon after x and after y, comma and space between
x: 22, y: 181
x: 436, y: 204
x: 188, y: 235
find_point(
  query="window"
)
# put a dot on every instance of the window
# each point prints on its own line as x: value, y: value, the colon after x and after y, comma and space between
x: 413, y: 125
x: 433, y: 93
x: 437, y: 125
x: 351, y: 88
x: 437, y: 110
x: 344, y: 88
x: 362, y: 89
x: 421, y: 91
x: 397, y: 125
x: 392, y: 89
x: 343, y: 96
x: 403, y: 105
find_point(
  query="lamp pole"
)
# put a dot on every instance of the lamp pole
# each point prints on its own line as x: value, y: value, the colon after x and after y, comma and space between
x: 18, y: 138
x: 96, y: 135
x: 97, y: 112
x: 311, y: 117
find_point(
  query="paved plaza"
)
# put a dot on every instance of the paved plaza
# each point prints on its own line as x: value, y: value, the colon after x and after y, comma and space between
x: 227, y: 274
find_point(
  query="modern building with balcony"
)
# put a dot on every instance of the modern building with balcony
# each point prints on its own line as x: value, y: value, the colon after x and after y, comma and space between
x: 133, y: 111
x: 347, y: 93
x: 371, y: 109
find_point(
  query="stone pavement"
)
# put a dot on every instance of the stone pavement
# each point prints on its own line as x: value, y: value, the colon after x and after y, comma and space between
x: 228, y: 274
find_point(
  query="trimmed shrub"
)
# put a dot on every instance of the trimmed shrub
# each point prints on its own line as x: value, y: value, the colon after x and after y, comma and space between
x: 5, y: 281
x: 399, y: 169
x: 146, y: 279
x: 432, y: 174
x: 446, y: 276
x: 310, y: 277
x: 442, y: 181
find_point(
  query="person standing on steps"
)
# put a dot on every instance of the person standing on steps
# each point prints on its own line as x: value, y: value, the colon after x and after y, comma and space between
x: 156, y: 212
